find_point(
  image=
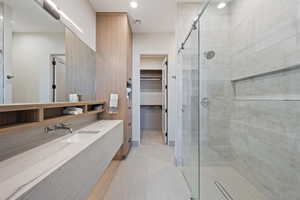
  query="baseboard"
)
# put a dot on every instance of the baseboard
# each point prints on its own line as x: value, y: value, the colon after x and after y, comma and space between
x: 171, y: 143
x: 135, y: 143
x: 178, y: 162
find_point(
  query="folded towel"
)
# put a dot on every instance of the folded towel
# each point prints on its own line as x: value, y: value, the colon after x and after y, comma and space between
x: 72, y: 111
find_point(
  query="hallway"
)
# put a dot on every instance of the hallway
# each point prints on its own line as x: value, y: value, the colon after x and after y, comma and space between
x: 148, y: 173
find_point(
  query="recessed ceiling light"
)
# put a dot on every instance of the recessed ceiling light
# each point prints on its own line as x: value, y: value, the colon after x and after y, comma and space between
x: 222, y: 5
x: 134, y: 4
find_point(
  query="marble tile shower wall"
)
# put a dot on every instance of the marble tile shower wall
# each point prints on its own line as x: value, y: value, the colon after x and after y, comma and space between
x: 214, y: 36
x: 265, y: 135
x: 260, y: 139
x: 265, y: 35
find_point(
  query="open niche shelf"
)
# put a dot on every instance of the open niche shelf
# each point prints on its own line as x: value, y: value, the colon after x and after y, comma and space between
x: 151, y: 75
x: 13, y: 117
x: 57, y: 112
x: 152, y: 62
x: 94, y: 108
x: 151, y: 87
x: 19, y: 118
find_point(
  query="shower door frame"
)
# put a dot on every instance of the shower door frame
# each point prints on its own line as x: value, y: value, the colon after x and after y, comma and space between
x: 196, y: 27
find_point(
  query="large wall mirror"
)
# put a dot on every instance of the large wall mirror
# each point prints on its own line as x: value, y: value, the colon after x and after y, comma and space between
x: 37, y: 62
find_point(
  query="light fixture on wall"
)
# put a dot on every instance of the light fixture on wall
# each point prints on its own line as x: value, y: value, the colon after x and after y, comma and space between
x: 64, y: 15
x: 133, y: 4
x: 222, y: 5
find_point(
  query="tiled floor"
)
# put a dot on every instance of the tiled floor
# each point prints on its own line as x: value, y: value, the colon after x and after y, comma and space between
x: 148, y: 173
x: 236, y: 185
x: 217, y: 168
x: 104, y: 182
x: 151, y: 137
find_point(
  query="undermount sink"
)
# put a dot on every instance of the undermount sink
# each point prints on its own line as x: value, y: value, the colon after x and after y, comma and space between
x: 89, y: 131
x: 75, y: 139
x: 50, y: 164
x: 93, y: 130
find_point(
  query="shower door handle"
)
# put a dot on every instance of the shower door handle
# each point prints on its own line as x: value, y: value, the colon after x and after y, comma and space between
x: 204, y: 101
x: 183, y: 108
x: 10, y: 76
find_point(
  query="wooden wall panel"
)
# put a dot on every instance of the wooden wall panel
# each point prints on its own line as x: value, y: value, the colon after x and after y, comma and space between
x: 114, y: 66
x: 130, y: 54
x: 2, y: 71
x: 81, y: 68
x: 1, y: 81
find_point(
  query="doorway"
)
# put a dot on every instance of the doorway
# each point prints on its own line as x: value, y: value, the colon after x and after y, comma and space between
x: 154, y: 98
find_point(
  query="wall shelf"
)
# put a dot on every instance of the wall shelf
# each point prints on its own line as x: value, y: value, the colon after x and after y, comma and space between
x: 150, y: 79
x: 151, y: 98
x: 62, y: 118
x: 95, y: 112
x: 271, y: 72
x: 150, y: 69
x: 20, y: 116
x: 17, y: 126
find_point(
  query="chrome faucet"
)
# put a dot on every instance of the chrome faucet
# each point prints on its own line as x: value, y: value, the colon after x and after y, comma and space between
x: 63, y: 126
x: 49, y: 129
x: 60, y: 126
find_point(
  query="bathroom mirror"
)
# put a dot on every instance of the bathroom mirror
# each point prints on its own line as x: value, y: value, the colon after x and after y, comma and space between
x: 33, y: 60
x: 30, y: 38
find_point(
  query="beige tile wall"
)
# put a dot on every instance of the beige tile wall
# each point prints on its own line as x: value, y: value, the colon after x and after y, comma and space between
x: 259, y: 138
x: 264, y: 134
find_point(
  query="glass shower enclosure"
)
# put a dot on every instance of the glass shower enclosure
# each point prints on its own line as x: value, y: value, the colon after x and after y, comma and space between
x: 193, y: 104
x: 189, y: 58
x: 241, y: 101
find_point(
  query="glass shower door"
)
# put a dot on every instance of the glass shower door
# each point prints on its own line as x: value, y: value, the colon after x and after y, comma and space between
x: 190, y: 111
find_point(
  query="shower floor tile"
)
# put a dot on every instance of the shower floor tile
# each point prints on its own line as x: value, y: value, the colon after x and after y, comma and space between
x: 236, y: 185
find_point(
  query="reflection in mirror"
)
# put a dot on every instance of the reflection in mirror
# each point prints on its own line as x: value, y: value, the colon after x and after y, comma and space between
x: 31, y: 41
x: 81, y: 68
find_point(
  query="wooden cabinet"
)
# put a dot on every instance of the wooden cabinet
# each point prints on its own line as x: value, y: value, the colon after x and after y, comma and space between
x: 114, y: 68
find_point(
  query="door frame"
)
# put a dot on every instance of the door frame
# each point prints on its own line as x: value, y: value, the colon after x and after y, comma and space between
x: 166, y: 55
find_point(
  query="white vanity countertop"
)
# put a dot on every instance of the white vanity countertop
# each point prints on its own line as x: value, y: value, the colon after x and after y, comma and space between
x: 22, y: 172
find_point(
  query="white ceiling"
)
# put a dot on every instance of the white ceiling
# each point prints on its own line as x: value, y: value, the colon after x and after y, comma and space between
x: 28, y: 16
x: 156, y: 15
